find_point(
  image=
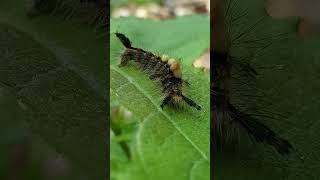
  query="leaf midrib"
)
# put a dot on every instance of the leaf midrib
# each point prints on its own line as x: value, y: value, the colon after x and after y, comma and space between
x: 203, y: 155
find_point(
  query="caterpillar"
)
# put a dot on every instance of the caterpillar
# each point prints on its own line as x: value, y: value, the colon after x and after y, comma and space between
x: 160, y: 68
x: 231, y: 73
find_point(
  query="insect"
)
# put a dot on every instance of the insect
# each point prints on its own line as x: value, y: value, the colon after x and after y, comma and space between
x: 160, y: 68
x: 231, y: 73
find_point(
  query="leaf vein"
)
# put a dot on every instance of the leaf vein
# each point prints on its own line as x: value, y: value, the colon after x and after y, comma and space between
x: 203, y: 155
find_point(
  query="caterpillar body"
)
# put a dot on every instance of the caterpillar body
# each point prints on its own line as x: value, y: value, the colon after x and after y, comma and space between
x: 228, y: 69
x: 160, y: 68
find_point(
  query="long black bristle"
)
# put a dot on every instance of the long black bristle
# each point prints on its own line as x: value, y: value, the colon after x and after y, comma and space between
x: 222, y: 108
x: 191, y: 103
x: 259, y: 131
x: 231, y: 74
x: 124, y: 40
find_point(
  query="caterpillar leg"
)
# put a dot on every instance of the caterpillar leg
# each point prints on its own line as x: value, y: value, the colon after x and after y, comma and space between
x: 186, y: 82
x: 190, y: 102
x: 155, y: 76
x: 124, y: 60
x: 165, y: 101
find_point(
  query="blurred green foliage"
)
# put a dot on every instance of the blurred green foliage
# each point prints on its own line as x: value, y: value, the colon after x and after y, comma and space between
x: 288, y: 77
x: 118, y: 3
x: 53, y: 76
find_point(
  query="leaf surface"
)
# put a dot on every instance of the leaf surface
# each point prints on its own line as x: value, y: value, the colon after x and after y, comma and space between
x: 170, y: 143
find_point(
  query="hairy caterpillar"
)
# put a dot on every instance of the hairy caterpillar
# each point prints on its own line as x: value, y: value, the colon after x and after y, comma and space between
x: 231, y: 73
x: 166, y: 71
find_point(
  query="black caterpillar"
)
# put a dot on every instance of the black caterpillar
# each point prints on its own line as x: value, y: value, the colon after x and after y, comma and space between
x: 226, y: 115
x: 166, y: 71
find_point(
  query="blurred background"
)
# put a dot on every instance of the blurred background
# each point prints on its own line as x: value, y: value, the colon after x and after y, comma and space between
x: 25, y: 153
x: 307, y: 10
x: 24, y: 156
x: 158, y: 9
x: 164, y: 10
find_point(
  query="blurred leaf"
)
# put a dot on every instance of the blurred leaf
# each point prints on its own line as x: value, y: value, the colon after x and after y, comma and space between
x: 291, y: 87
x: 57, y: 70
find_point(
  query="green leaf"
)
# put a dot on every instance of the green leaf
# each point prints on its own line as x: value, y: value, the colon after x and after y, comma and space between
x: 57, y: 71
x: 170, y: 143
x: 292, y: 90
